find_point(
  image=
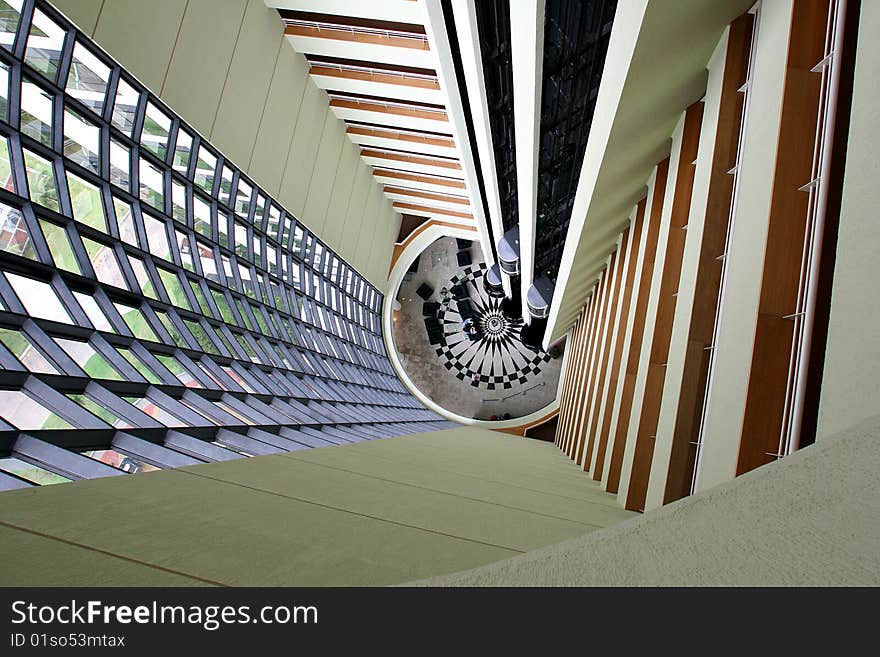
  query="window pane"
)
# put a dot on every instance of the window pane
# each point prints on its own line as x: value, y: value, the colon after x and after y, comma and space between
x: 178, y: 201
x: 125, y: 107
x: 32, y: 473
x: 206, y: 258
x: 154, y: 136
x: 139, y: 365
x: 38, y: 298
x: 59, y: 246
x: 81, y: 141
x: 93, y: 311
x: 120, y: 461
x: 14, y: 235
x: 201, y: 216
x: 120, y: 165
x: 150, y: 408
x: 173, y: 288
x: 36, y: 113
x: 136, y: 322
x: 41, y: 180
x: 182, y: 151
x: 86, y: 201
x: 4, y: 84
x: 142, y: 277
x: 125, y: 221
x: 206, y: 167
x: 179, y: 371
x: 185, y: 251
x: 87, y: 79
x: 201, y: 337
x: 89, y: 360
x: 104, y: 263
x: 152, y: 185
x: 10, y: 13
x: 44, y: 45
x: 25, y: 352
x: 225, y: 185
x: 171, y: 328
x: 157, y: 237
x: 243, y: 198
x: 100, y: 411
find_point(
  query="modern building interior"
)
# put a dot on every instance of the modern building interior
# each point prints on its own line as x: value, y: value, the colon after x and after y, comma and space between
x: 439, y: 292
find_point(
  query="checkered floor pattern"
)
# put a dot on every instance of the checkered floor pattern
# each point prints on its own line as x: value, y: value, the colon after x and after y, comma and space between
x: 498, y: 358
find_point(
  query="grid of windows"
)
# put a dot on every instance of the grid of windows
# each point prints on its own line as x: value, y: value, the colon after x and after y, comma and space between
x: 151, y: 294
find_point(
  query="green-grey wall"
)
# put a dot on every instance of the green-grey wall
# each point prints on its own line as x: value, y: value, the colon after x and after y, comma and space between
x: 371, y: 513
x: 226, y: 68
x: 851, y: 381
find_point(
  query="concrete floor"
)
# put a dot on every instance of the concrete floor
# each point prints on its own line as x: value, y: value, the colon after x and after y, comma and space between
x: 810, y: 519
x: 372, y: 513
x: 437, y: 266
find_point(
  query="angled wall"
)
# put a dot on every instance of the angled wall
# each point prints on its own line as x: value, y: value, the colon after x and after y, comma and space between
x: 224, y: 66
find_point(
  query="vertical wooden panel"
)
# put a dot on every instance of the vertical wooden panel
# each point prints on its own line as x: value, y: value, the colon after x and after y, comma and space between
x: 571, y: 427
x: 614, y: 373
x: 618, y: 440
x: 765, y: 401
x: 595, y: 332
x: 597, y: 394
x: 650, y: 411
x: 709, y: 267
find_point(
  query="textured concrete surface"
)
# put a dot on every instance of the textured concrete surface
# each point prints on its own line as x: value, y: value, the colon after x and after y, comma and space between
x: 371, y: 513
x: 811, y: 519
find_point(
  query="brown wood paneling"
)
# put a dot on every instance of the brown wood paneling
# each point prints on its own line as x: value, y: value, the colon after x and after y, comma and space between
x: 418, y: 42
x: 568, y: 375
x: 709, y: 267
x: 420, y: 178
x: 433, y: 196
x: 380, y: 108
x: 670, y: 278
x: 618, y: 438
x: 765, y: 401
x: 617, y: 355
x: 587, y: 375
x: 397, y: 205
x: 444, y: 142
x: 602, y: 355
x: 452, y: 165
x: 583, y: 362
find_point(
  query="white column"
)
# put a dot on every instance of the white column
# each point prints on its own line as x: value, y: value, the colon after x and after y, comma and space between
x: 651, y: 314
x: 728, y: 388
x: 684, y: 302
x: 472, y: 62
x: 527, y: 49
x: 435, y: 27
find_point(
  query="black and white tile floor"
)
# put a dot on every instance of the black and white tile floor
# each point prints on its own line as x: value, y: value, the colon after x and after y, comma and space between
x: 497, y: 359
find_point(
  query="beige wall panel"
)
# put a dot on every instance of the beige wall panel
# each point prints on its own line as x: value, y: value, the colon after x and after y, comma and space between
x: 245, y: 93
x: 121, y: 31
x: 354, y: 215
x: 362, y: 258
x: 324, y: 173
x: 200, y: 63
x: 684, y: 305
x: 83, y: 13
x: 852, y: 360
x: 742, y: 288
x: 304, y: 149
x: 275, y: 134
x: 337, y: 211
